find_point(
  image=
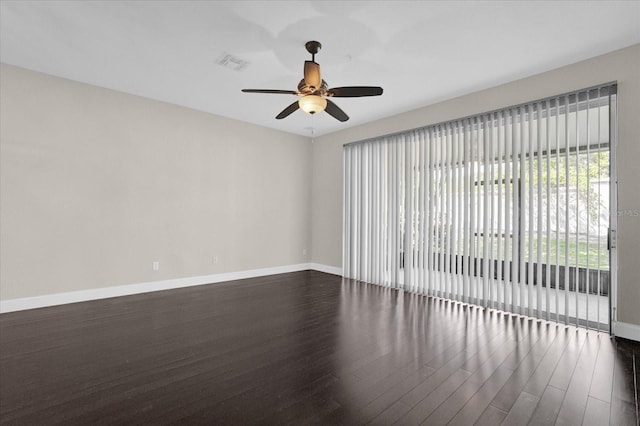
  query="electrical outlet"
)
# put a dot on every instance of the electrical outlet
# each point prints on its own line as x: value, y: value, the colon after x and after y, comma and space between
x: 215, y: 260
x: 304, y: 252
x: 156, y: 266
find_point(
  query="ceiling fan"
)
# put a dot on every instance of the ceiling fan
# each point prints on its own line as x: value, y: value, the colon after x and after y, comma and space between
x: 313, y: 90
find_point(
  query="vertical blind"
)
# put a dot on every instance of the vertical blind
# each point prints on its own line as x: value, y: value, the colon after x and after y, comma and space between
x: 507, y: 209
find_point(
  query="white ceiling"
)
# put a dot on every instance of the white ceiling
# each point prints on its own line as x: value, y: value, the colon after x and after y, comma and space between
x: 419, y: 52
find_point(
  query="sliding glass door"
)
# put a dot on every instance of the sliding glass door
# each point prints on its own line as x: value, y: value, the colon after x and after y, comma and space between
x: 508, y: 210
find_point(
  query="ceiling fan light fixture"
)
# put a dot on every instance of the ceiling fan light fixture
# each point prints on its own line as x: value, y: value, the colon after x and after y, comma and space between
x: 312, y: 104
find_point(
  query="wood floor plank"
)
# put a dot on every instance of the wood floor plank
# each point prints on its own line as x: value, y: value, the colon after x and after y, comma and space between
x: 537, y: 383
x: 575, y: 400
x: 490, y: 363
x: 425, y: 407
x: 525, y: 364
x: 401, y: 400
x: 391, y: 395
x: 596, y: 413
x: 304, y: 348
x: 522, y: 410
x: 475, y: 407
x: 623, y: 405
x: 548, y: 408
x: 391, y: 414
x: 636, y: 369
x: 564, y: 369
x: 492, y: 416
x: 409, y: 393
x: 602, y: 382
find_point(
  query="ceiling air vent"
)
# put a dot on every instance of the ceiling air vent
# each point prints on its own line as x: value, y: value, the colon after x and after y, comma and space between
x: 234, y: 63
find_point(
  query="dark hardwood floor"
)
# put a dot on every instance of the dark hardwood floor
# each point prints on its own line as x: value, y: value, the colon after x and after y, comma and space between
x: 306, y: 348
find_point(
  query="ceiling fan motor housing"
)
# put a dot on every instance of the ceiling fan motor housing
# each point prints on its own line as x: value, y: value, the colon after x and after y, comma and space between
x: 304, y: 88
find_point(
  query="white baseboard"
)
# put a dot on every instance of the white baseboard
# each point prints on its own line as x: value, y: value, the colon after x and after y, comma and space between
x: 326, y: 268
x: 22, y: 304
x: 626, y: 330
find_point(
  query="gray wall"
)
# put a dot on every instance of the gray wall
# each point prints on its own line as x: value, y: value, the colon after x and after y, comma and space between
x: 96, y: 185
x: 622, y: 65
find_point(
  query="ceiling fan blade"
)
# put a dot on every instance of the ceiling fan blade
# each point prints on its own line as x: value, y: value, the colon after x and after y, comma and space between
x: 335, y: 111
x: 354, y: 91
x: 312, y: 74
x: 288, y: 110
x: 284, y: 92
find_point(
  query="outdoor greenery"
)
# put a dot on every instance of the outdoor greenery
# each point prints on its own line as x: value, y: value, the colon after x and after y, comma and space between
x: 577, y: 171
x: 585, y: 254
x: 592, y: 255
